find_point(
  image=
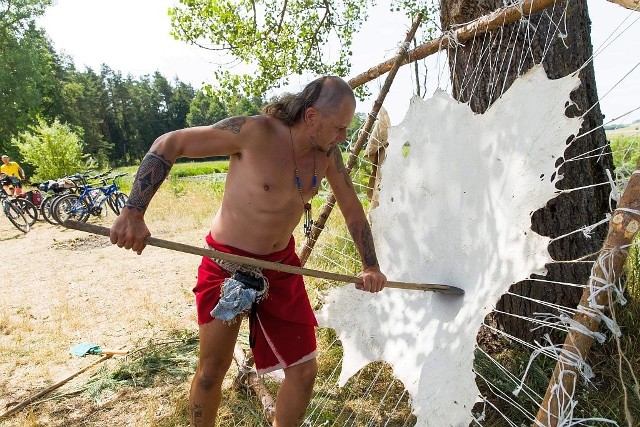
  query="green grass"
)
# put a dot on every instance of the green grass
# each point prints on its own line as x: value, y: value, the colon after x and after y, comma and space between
x: 189, y: 168
x: 626, y: 151
x: 169, y: 359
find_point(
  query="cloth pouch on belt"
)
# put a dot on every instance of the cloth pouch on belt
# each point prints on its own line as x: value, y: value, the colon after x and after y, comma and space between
x: 238, y: 295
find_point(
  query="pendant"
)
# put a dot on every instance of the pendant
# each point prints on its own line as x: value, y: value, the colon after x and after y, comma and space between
x: 308, y: 221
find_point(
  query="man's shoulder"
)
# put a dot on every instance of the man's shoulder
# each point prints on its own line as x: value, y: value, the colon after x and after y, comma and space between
x: 265, y: 125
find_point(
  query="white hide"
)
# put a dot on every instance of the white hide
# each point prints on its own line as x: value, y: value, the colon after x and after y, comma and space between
x: 457, y: 210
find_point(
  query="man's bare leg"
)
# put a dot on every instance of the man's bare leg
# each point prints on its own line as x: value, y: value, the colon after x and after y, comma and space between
x: 295, y: 393
x: 217, y: 340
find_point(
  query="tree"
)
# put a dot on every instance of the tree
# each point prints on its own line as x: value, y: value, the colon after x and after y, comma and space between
x: 179, y: 103
x: 569, y: 211
x: 54, y: 151
x: 206, y: 110
x: 278, y: 38
x: 25, y: 67
x: 80, y: 100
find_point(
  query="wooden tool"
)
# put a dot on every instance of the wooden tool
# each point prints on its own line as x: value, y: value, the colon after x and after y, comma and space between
x: 211, y: 253
x: 85, y: 348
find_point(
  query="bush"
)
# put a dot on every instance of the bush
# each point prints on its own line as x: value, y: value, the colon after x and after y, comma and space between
x: 53, y: 150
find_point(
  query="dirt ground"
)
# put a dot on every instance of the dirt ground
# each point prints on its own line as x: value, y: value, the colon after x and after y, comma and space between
x: 63, y: 287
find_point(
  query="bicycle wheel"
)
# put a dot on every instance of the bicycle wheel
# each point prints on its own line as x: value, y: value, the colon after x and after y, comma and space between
x: 117, y: 201
x: 70, y: 207
x: 45, y: 210
x: 15, y: 215
x: 29, y: 209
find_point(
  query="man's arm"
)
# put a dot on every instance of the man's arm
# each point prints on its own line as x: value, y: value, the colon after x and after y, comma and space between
x: 21, y: 173
x: 222, y: 139
x: 356, y: 221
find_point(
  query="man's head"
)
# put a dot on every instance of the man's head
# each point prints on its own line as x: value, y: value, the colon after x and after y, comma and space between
x: 325, y: 107
x: 325, y: 94
x: 5, y: 159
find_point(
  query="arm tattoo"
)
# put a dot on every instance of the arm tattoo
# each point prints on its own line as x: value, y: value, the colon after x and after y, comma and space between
x: 369, y: 258
x: 232, y: 124
x: 153, y: 170
x: 340, y: 167
x: 363, y: 239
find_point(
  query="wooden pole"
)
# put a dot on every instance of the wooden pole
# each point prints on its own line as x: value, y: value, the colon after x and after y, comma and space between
x: 318, y: 224
x: 608, y: 268
x: 629, y: 4
x: 249, y: 377
x: 237, y: 259
x: 49, y: 389
x: 484, y: 24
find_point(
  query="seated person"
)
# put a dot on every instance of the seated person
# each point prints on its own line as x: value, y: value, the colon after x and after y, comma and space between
x: 14, y: 173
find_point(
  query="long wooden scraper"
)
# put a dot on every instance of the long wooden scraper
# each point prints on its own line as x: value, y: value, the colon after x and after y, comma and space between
x: 181, y: 247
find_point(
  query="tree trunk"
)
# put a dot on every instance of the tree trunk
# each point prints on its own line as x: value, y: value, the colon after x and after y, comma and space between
x: 567, y: 212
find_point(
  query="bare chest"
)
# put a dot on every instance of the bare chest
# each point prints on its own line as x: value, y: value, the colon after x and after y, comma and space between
x: 276, y: 177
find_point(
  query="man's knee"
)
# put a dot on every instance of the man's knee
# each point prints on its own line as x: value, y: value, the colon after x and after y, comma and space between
x: 304, y: 374
x: 211, y: 372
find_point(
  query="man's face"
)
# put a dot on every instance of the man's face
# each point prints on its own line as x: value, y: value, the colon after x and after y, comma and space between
x: 332, y: 128
x: 5, y: 160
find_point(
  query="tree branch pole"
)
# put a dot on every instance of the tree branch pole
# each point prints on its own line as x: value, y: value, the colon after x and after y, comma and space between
x: 400, y: 58
x: 608, y: 269
x: 465, y: 33
x: 49, y: 389
x: 629, y: 4
x: 247, y: 376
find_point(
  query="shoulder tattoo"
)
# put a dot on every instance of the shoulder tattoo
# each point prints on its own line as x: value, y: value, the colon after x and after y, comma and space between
x: 152, y: 172
x: 232, y: 124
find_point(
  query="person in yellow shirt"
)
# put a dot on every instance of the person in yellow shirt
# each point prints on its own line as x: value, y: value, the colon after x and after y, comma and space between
x: 14, y: 172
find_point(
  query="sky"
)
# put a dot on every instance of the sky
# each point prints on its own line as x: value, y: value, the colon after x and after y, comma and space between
x: 132, y: 36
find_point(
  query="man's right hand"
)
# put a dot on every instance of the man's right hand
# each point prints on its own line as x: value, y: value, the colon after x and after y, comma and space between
x: 129, y: 230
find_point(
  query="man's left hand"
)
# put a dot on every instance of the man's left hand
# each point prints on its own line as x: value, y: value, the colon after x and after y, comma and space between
x: 372, y: 280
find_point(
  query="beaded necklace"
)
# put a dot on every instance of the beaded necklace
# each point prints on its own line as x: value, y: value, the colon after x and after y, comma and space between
x: 308, y: 221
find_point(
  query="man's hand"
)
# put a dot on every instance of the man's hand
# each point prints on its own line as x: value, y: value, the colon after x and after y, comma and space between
x: 372, y: 280
x: 129, y: 230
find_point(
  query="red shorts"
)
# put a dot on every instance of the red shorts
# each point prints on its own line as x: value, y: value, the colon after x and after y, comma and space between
x: 285, y: 330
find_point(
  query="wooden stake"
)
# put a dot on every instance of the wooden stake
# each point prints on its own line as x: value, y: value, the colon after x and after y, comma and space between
x: 622, y: 229
x: 318, y: 224
x: 629, y: 4
x: 248, y: 374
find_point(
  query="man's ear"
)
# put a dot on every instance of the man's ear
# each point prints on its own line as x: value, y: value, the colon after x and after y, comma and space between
x: 311, y: 116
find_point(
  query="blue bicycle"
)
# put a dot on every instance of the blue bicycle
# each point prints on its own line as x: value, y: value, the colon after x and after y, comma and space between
x: 90, y: 201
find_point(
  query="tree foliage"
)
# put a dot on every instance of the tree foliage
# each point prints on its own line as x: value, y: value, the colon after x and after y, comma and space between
x: 278, y: 38
x: 25, y: 67
x: 54, y: 150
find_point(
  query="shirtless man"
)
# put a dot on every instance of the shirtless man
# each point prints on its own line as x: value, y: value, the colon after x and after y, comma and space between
x: 276, y: 161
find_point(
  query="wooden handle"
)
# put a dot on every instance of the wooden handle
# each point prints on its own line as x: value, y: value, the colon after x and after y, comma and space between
x: 237, y: 259
x: 111, y: 351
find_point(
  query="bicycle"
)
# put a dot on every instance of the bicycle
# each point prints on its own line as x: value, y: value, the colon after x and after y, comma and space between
x: 55, y: 188
x: 28, y: 210
x: 90, y: 201
x: 13, y: 212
